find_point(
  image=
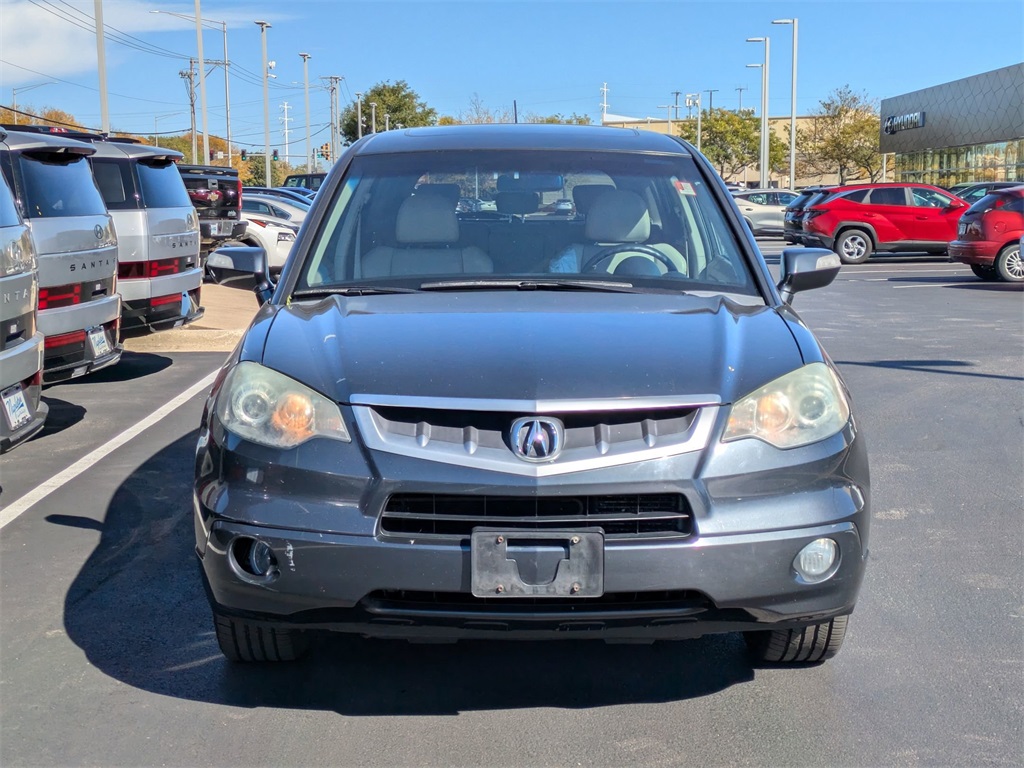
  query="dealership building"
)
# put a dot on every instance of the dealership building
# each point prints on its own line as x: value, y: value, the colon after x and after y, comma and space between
x: 967, y: 130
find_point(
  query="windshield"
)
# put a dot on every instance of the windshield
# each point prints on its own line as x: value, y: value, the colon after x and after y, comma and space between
x: 505, y: 217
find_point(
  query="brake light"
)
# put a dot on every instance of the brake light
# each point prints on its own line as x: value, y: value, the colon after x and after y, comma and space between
x: 238, y: 194
x: 813, y: 213
x: 159, y: 301
x: 164, y: 267
x: 258, y: 222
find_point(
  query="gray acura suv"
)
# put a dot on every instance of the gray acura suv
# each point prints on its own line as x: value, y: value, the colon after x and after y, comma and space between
x: 449, y: 424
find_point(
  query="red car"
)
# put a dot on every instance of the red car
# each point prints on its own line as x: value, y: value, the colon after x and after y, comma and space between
x: 990, y: 234
x: 859, y: 219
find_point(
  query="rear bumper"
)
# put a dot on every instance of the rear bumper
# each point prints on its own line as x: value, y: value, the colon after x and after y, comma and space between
x: 21, y: 365
x: 981, y: 252
x: 145, y: 316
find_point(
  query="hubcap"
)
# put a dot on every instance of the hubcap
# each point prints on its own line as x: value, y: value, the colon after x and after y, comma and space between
x: 1014, y: 265
x: 854, y: 247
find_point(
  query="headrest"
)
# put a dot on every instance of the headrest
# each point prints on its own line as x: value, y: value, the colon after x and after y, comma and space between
x: 584, y: 195
x: 517, y: 202
x: 618, y: 216
x: 427, y: 219
x: 448, y: 191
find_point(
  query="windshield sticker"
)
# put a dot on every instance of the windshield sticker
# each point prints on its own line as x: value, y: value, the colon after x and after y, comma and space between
x: 685, y: 188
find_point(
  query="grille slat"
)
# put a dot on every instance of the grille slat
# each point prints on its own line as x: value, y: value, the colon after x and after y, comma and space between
x: 649, y: 515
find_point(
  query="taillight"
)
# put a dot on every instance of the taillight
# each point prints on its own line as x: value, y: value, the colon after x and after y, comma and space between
x: 159, y: 301
x: 60, y: 296
x: 258, y: 222
x: 63, y: 339
x: 813, y: 213
x: 238, y: 194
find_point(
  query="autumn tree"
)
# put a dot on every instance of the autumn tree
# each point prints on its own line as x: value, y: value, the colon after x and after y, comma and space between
x: 398, y: 100
x: 843, y: 137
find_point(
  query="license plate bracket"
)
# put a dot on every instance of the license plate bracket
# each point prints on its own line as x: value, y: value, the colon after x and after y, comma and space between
x: 15, y: 406
x: 498, y: 557
x: 99, y: 342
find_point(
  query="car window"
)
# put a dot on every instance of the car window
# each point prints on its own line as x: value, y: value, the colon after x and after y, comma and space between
x: 651, y: 217
x: 758, y: 198
x: 57, y: 184
x: 856, y: 195
x: 281, y: 213
x: 785, y: 198
x: 161, y: 185
x: 888, y: 196
x: 930, y: 198
x: 114, y: 179
x: 8, y: 211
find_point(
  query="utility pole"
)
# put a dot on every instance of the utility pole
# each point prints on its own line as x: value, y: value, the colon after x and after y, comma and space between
x: 604, y: 103
x: 676, y: 106
x: 711, y: 97
x: 101, y: 61
x: 332, y: 91
x: 189, y: 76
x: 285, y: 107
x: 741, y: 89
x: 669, y: 108
x: 305, y: 81
x: 267, y: 170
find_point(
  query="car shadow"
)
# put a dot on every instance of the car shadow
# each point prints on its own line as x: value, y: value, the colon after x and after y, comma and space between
x: 950, y: 367
x: 132, y: 366
x: 62, y: 415
x: 138, y: 611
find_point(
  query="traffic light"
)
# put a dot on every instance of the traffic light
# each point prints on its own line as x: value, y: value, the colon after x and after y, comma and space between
x: 273, y: 155
x: 325, y: 151
x: 244, y: 154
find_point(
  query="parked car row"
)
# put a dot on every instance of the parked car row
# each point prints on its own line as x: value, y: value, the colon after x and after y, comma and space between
x: 100, y: 241
x: 859, y: 220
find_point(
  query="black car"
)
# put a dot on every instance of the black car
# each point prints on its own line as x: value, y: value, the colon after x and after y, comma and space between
x: 442, y: 425
x: 792, y: 226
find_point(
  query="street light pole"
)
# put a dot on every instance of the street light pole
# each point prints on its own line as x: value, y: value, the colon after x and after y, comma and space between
x: 792, y: 109
x: 264, y: 26
x: 202, y: 82
x: 359, y: 115
x: 373, y: 117
x: 694, y: 100
x: 14, y: 96
x: 101, y: 62
x: 764, y: 180
x: 305, y: 81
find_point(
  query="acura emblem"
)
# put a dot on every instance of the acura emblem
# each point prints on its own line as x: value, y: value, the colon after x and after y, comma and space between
x: 536, y: 439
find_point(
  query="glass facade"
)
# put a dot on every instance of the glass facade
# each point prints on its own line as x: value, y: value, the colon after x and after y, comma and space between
x: 999, y: 161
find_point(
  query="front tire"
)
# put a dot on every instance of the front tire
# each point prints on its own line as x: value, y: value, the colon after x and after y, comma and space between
x: 854, y: 246
x: 241, y: 641
x: 1009, y: 264
x: 985, y: 272
x: 806, y: 645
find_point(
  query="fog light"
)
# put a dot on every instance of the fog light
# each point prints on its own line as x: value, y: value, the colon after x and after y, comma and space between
x: 261, y: 559
x: 817, y: 561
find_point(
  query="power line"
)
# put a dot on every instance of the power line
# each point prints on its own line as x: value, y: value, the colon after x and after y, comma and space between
x: 89, y: 87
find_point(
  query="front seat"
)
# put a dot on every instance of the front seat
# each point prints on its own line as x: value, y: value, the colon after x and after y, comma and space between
x: 427, y: 233
x: 618, y: 217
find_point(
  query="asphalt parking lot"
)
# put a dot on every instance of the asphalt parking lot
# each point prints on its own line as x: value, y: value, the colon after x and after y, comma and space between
x: 107, y: 656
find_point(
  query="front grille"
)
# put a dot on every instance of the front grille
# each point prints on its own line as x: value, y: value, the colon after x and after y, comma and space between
x: 620, y: 516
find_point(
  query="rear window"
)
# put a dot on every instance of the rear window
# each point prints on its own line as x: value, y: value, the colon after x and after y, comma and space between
x: 993, y: 201
x: 162, y: 186
x: 58, y: 185
x: 114, y: 178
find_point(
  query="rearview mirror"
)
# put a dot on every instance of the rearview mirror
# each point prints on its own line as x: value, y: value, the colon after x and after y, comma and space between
x: 242, y: 267
x: 804, y: 269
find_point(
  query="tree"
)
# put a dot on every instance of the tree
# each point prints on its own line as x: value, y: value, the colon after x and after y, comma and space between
x: 477, y: 113
x: 731, y: 141
x: 398, y: 100
x: 843, y: 137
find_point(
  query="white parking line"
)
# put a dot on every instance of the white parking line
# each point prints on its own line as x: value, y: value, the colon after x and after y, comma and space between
x: 40, y: 492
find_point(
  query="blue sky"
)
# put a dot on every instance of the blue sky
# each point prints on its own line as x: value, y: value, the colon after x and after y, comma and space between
x: 548, y: 55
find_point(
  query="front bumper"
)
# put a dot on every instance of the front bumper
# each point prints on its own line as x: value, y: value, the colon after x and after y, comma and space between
x: 981, y: 252
x: 336, y: 570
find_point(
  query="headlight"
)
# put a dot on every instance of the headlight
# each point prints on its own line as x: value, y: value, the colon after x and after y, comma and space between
x: 802, y: 407
x: 285, y: 237
x: 269, y: 408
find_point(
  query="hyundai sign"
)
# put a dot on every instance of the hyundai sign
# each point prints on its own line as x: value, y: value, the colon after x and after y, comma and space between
x: 896, y: 123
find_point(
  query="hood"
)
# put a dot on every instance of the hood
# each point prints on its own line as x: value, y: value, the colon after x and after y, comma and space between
x: 530, y: 345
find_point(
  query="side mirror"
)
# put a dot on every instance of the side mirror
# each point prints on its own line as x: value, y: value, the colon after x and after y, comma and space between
x: 242, y: 267
x: 804, y: 269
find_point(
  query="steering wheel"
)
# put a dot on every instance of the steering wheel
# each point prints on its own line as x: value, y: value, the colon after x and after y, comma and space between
x: 607, y: 254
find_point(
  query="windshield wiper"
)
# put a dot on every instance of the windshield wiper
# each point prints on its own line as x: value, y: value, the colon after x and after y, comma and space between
x: 350, y: 290
x: 530, y: 285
